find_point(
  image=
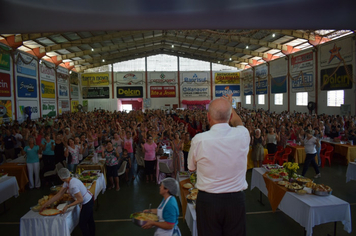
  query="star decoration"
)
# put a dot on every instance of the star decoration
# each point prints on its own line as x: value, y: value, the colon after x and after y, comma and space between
x: 335, y: 52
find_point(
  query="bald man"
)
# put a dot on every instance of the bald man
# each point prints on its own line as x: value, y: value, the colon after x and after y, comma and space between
x: 220, y: 158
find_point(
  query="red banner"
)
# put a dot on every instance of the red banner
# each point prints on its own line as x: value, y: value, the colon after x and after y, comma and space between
x: 5, y: 85
x: 163, y: 91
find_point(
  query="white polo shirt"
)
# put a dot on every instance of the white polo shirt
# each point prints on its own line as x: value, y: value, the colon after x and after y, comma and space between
x: 220, y: 158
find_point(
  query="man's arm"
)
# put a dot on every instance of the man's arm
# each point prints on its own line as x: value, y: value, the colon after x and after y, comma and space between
x: 235, y: 119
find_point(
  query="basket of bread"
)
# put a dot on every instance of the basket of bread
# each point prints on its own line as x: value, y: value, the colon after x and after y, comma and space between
x: 192, y: 196
x: 293, y: 187
x: 321, y: 190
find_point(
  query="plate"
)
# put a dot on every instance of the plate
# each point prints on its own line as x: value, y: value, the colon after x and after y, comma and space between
x: 36, y: 208
x: 50, y: 212
x: 282, y: 183
x: 321, y: 193
x: 188, y: 185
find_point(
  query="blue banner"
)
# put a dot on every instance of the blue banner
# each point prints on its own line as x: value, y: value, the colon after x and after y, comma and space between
x: 26, y: 87
x: 27, y: 69
x: 279, y: 85
x: 221, y: 90
x: 303, y: 83
x: 261, y: 87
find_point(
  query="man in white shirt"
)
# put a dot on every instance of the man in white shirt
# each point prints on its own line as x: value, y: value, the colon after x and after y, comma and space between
x: 220, y: 158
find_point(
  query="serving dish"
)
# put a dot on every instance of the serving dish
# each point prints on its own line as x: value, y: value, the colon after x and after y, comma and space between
x: 321, y: 193
x: 138, y: 218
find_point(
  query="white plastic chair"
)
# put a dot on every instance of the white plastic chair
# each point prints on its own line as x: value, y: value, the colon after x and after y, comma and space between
x: 164, y: 168
x: 122, y: 169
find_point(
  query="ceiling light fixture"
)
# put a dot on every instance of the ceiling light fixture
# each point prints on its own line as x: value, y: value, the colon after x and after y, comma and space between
x: 219, y: 62
x: 172, y: 45
x: 273, y: 35
x: 230, y: 59
x: 70, y: 72
x: 103, y: 60
x: 246, y: 47
x: 92, y: 49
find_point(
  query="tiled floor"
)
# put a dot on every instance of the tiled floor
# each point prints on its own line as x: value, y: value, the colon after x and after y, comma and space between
x: 112, y: 216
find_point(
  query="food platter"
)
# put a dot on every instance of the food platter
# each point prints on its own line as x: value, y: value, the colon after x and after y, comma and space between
x: 272, y: 167
x: 36, y: 208
x: 50, y: 212
x: 187, y: 185
x: 322, y: 190
x: 303, y: 181
x: 140, y: 218
x: 183, y: 173
x: 293, y: 187
x: 282, y: 183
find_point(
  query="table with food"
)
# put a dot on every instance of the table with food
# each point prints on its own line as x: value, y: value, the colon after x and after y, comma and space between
x: 306, y: 202
x: 8, y: 187
x: 343, y: 148
x: 93, y: 163
x: 351, y: 172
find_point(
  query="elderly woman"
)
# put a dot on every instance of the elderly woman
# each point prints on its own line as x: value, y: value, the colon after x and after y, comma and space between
x: 167, y: 211
x: 177, y: 146
x: 82, y: 197
x: 72, y: 153
x: 149, y: 148
x: 33, y: 162
x: 112, y: 159
x: 310, y: 144
x: 258, y: 153
x: 48, y: 153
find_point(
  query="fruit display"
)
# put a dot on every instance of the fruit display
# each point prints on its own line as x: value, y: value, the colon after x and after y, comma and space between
x: 193, y: 178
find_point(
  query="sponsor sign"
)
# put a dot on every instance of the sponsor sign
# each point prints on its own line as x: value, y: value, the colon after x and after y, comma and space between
x: 303, y: 83
x: 48, y: 89
x: 261, y: 72
x: 26, y: 87
x: 336, y: 52
x: 74, y: 105
x: 261, y: 86
x: 63, y: 90
x: 332, y: 79
x: 302, y: 62
x: 195, y: 78
x: 64, y: 106
x: 5, y: 85
x: 162, y: 91
x: 279, y: 84
x: 74, y: 91
x: 195, y: 91
x: 129, y: 78
x: 73, y: 78
x: 26, y: 67
x: 62, y: 78
x: 85, y: 105
x: 221, y: 90
x: 247, y: 76
x: 95, y: 79
x: 62, y: 70
x: 35, y: 110
x: 129, y: 92
x: 4, y: 61
x: 5, y: 111
x: 49, y: 108
x: 47, y: 73
x: 227, y: 78
x: 95, y: 92
x: 161, y: 78
x: 278, y: 67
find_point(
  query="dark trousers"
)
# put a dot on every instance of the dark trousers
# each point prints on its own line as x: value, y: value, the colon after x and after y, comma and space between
x: 86, y: 220
x: 221, y: 214
x: 271, y: 148
x: 150, y: 167
x: 310, y: 158
x: 48, y: 162
x: 185, y: 160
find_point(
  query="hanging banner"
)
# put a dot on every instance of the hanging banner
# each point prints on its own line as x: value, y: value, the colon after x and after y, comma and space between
x: 48, y: 89
x: 85, y: 105
x: 5, y: 85
x: 221, y: 90
x: 261, y: 86
x: 279, y: 84
x: 63, y: 90
x: 129, y: 92
x: 227, y: 78
x: 35, y: 110
x: 95, y: 79
x: 5, y: 111
x: 49, y: 108
x: 74, y: 105
x: 162, y: 91
x: 73, y: 78
x: 26, y: 67
x: 26, y: 87
x: 47, y: 73
x: 303, y: 83
x: 129, y: 78
x: 247, y: 76
x: 4, y: 61
x: 278, y: 67
x: 198, y: 78
x: 261, y: 72
x: 162, y: 78
x: 62, y: 78
x: 95, y: 92
x: 302, y: 62
x: 195, y: 91
x: 336, y: 52
x: 64, y: 106
x: 74, y: 91
x: 336, y: 78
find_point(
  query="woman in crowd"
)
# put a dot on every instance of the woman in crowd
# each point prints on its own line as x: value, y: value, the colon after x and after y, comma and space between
x: 33, y: 162
x: 310, y: 144
x: 177, y: 146
x: 59, y: 149
x: 112, y: 160
x: 72, y: 153
x: 117, y: 143
x: 186, y: 148
x: 258, y: 153
x: 48, y: 153
x: 128, y: 145
x: 149, y: 149
x: 126, y: 157
x: 272, y: 139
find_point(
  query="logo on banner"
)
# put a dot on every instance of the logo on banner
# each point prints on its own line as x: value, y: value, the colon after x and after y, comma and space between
x: 261, y: 87
x: 227, y: 78
x: 95, y: 79
x: 162, y: 91
x: 130, y: 92
x: 302, y: 62
x: 5, y: 85
x: 48, y: 108
x: 336, y: 78
x: 26, y: 87
x: 130, y: 77
x: 195, y: 79
x: 335, y: 52
x: 28, y: 68
x: 5, y: 111
x: 195, y: 91
x: 95, y: 92
x: 221, y: 90
x: 63, y: 90
x: 303, y: 82
x: 74, y: 91
x: 47, y: 89
x: 74, y: 106
x: 4, y: 61
x: 162, y: 79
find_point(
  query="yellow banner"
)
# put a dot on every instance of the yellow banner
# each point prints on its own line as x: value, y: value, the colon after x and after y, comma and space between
x: 95, y: 79
x: 227, y: 78
x: 48, y: 89
x: 74, y: 105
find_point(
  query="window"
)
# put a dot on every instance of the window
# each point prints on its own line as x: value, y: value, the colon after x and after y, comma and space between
x: 248, y: 99
x: 302, y: 99
x: 131, y: 65
x: 187, y: 64
x: 335, y: 98
x: 261, y: 99
x: 127, y: 107
x: 278, y: 99
x: 162, y: 62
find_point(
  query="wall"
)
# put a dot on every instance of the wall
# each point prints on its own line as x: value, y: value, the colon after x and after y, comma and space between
x: 278, y: 71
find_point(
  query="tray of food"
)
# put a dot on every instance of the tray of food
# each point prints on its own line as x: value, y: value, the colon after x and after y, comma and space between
x: 303, y: 181
x: 272, y: 167
x: 282, y: 183
x: 274, y: 176
x: 301, y: 192
x: 141, y: 218
x: 91, y: 172
x: 55, y: 189
x: 36, y: 208
x: 187, y: 185
x: 50, y: 212
x: 293, y: 187
x: 322, y: 190
x: 183, y: 173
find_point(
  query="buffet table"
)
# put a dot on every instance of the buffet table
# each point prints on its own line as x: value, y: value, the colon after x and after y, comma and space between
x: 351, y: 172
x: 346, y: 150
x: 88, y: 164
x: 98, y: 186
x: 17, y: 170
x: 8, y: 188
x: 308, y: 210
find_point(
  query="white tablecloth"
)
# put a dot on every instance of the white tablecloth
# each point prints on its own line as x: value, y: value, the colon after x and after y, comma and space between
x: 8, y: 188
x: 308, y: 210
x: 100, y: 186
x: 351, y: 172
x: 169, y: 163
x: 34, y: 224
x: 191, y: 219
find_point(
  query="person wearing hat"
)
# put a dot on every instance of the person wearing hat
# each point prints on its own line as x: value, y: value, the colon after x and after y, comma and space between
x: 310, y: 144
x: 167, y: 211
x: 82, y: 197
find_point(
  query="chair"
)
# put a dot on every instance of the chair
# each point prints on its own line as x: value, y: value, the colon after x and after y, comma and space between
x: 323, y: 148
x: 326, y: 155
x: 269, y: 159
x: 122, y: 168
x: 285, y: 156
x: 53, y: 172
x: 278, y: 155
x: 164, y: 168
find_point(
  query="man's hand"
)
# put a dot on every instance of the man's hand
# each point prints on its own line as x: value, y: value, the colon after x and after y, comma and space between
x: 228, y: 97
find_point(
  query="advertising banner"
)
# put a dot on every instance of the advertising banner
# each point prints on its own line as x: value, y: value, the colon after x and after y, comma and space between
x: 49, y: 108
x: 261, y: 86
x: 227, y: 78
x: 4, y: 61
x: 162, y: 91
x: 195, y: 91
x: 221, y: 90
x: 26, y: 87
x: 336, y: 52
x: 129, y: 78
x: 95, y: 92
x: 85, y: 105
x: 74, y: 105
x: 129, y: 92
x: 5, y: 85
x: 278, y: 67
x: 62, y: 78
x: 47, y: 73
x: 74, y: 91
x: 303, y: 83
x: 26, y: 67
x: 95, y: 79
x: 64, y: 106
x: 63, y: 90
x: 73, y: 78
x: 336, y: 78
x: 198, y: 78
x: 35, y: 110
x: 302, y: 62
x: 48, y: 89
x: 5, y: 111
x: 247, y: 76
x: 279, y: 84
x: 261, y: 72
x: 162, y: 78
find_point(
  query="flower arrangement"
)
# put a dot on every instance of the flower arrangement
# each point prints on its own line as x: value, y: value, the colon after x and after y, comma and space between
x: 291, y: 168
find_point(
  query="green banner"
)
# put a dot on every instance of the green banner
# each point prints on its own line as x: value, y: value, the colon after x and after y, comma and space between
x: 4, y: 61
